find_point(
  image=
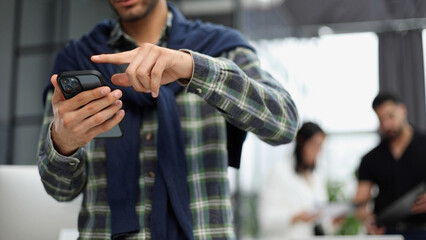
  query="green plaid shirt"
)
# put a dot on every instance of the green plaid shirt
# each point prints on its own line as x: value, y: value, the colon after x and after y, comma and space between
x: 229, y: 88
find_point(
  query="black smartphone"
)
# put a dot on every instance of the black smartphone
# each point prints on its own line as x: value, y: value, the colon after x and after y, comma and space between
x: 72, y: 83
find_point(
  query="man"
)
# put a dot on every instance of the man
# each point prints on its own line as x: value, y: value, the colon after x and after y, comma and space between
x: 396, y: 165
x: 180, y: 87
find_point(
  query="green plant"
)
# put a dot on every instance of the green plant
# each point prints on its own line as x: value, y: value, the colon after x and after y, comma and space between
x: 335, y: 193
x: 350, y: 225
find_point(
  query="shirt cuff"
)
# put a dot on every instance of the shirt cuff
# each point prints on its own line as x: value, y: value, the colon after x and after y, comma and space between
x: 206, y: 74
x: 67, y: 163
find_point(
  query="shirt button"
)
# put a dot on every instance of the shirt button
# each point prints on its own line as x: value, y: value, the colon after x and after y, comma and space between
x: 151, y: 174
x: 148, y: 136
x: 199, y: 90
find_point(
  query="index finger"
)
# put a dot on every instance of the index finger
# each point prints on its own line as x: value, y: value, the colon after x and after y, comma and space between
x: 87, y: 96
x: 421, y: 199
x: 115, y: 58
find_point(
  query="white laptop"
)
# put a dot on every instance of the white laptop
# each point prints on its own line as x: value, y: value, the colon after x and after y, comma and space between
x: 355, y: 237
x: 28, y: 212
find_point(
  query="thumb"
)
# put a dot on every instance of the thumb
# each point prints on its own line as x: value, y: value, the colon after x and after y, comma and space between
x: 121, y: 79
x: 57, y: 94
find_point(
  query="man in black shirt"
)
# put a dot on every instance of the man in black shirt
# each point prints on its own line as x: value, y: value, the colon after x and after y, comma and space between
x: 396, y: 165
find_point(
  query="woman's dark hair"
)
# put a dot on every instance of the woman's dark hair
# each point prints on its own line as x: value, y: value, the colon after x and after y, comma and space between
x: 307, y: 130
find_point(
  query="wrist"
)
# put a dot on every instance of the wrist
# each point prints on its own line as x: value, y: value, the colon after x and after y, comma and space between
x: 59, y: 145
x: 188, y: 62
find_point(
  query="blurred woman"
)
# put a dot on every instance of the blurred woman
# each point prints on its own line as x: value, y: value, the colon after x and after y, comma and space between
x: 294, y: 190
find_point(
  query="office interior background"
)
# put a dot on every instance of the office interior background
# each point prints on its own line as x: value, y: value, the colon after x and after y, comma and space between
x: 333, y: 56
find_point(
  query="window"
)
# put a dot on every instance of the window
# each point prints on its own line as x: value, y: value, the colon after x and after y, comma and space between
x: 424, y: 55
x: 333, y: 80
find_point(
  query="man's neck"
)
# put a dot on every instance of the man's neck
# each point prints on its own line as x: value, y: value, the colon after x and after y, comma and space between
x: 400, y: 143
x: 148, y: 29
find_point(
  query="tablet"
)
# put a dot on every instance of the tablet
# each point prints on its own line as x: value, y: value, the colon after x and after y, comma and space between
x: 400, y: 208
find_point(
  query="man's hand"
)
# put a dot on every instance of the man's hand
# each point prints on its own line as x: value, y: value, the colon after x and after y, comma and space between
x: 150, y: 66
x: 420, y: 205
x: 79, y: 119
x: 371, y: 226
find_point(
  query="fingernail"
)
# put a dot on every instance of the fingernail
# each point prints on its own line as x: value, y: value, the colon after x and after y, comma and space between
x: 117, y: 93
x: 95, y: 57
x: 118, y: 103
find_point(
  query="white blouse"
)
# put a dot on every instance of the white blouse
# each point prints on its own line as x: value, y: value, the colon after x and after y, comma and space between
x: 286, y: 194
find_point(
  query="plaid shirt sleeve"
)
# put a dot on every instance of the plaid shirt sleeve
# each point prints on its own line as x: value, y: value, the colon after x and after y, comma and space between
x: 63, y: 177
x: 248, y: 97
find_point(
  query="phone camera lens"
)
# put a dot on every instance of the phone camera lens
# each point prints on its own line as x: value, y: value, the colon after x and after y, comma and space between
x: 65, y: 81
x: 68, y: 88
x: 75, y: 84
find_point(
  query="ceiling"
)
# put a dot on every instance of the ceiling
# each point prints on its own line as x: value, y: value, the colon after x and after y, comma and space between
x: 309, y: 18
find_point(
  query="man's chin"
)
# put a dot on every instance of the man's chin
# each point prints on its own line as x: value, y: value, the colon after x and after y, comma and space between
x: 390, y: 135
x: 133, y: 15
x: 130, y: 18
